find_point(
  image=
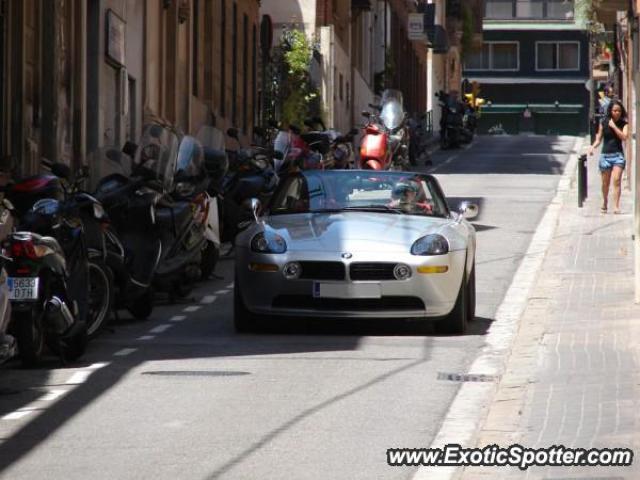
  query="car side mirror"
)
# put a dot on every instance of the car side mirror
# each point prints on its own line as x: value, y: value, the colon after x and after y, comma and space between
x: 468, y: 210
x: 254, y: 206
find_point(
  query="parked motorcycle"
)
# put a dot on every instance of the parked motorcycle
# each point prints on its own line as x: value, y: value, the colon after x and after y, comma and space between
x: 49, y: 275
x: 453, y: 128
x: 8, y: 345
x: 250, y: 175
x: 336, y: 149
x: 385, y: 143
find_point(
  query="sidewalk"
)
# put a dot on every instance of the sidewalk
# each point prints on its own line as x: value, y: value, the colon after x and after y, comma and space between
x: 573, y: 377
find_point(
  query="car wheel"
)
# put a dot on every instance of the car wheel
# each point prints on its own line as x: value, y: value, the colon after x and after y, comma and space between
x: 456, y: 322
x: 243, y: 320
x: 471, y: 294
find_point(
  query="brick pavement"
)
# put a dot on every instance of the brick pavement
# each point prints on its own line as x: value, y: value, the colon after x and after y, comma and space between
x: 572, y: 377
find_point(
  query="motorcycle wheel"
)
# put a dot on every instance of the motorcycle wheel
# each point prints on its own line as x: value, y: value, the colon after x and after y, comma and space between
x: 29, y: 333
x: 100, y: 297
x: 142, y: 306
x: 210, y: 256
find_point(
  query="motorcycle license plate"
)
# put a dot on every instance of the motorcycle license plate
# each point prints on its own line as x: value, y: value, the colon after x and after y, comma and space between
x: 23, y: 288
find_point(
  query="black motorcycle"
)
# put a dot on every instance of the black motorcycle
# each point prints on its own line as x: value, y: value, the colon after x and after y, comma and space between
x: 250, y: 175
x: 49, y: 279
x: 455, y: 122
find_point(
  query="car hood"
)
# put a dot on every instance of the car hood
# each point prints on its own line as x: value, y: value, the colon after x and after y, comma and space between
x: 357, y: 231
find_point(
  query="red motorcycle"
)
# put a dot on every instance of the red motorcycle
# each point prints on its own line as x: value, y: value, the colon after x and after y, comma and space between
x: 385, y: 141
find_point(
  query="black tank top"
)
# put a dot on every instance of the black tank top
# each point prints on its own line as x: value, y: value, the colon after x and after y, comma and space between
x: 611, y: 143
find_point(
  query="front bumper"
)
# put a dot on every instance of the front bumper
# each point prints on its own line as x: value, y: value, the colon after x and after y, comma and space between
x: 423, y: 295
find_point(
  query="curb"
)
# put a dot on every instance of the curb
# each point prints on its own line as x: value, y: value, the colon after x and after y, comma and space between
x: 469, y: 410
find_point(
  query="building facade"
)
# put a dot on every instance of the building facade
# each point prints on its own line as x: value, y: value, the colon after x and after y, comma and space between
x: 79, y: 75
x: 534, y: 67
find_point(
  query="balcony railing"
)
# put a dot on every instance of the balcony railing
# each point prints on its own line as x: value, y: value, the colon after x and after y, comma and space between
x: 529, y: 10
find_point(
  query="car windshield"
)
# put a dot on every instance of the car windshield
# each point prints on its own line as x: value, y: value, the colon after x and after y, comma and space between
x: 400, y: 193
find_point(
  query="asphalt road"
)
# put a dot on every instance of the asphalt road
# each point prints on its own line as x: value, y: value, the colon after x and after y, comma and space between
x: 182, y: 396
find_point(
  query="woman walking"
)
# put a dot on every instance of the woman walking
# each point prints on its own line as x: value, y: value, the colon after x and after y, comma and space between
x: 612, y: 132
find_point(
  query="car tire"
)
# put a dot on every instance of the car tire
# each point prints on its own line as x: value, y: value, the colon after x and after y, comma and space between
x: 243, y: 320
x: 471, y: 294
x: 456, y: 322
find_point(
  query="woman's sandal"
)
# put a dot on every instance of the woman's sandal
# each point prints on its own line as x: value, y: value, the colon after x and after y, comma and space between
x: 603, y: 209
x: 617, y: 211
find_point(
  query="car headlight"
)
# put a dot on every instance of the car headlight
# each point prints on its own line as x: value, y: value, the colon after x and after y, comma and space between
x: 268, y: 242
x: 430, y: 245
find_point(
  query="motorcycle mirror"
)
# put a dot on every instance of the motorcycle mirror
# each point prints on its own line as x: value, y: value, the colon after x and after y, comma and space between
x: 233, y: 133
x: 376, y: 107
x: 366, y: 114
x: 61, y: 170
x: 254, y: 205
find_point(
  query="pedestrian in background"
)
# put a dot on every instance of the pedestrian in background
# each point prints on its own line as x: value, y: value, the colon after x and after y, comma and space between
x: 613, y: 130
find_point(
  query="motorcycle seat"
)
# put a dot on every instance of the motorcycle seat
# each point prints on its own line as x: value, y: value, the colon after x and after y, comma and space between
x: 175, y: 215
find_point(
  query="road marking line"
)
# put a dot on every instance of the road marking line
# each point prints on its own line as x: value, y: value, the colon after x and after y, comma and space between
x: 178, y: 318
x: 51, y: 395
x: 222, y: 292
x: 467, y: 413
x: 192, y: 308
x: 124, y: 352
x: 78, y: 377
x: 16, y: 415
x: 161, y: 328
x: 96, y: 366
x: 147, y: 337
x: 208, y: 299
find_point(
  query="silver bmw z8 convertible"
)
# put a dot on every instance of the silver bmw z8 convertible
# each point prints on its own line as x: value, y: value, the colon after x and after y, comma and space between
x: 357, y: 244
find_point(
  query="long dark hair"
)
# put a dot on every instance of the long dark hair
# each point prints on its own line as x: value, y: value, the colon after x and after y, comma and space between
x: 613, y: 103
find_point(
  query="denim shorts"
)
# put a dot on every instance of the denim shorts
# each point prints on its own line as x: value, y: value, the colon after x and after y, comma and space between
x: 610, y: 160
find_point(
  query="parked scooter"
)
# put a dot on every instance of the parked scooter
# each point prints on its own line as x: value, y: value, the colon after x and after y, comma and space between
x: 385, y: 144
x: 251, y: 175
x: 180, y: 232
x: 49, y: 279
x: 336, y: 149
x: 453, y: 130
x: 8, y: 345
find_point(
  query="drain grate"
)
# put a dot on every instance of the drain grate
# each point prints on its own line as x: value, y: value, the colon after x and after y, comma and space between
x: 197, y: 373
x: 466, y: 377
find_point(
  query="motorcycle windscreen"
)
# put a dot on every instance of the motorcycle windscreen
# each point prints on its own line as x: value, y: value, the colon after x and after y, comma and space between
x: 392, y: 114
x: 157, y: 154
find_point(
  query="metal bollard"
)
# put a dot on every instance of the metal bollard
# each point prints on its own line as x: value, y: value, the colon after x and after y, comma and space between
x: 582, y: 180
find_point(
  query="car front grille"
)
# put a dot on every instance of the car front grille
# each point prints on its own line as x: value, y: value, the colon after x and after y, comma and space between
x: 372, y: 271
x: 323, y: 270
x: 389, y: 303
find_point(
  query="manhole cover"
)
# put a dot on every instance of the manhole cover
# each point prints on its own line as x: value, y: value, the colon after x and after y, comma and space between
x: 466, y: 377
x: 196, y: 373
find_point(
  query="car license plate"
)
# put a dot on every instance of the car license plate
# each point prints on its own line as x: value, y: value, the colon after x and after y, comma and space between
x: 346, y: 290
x: 23, y: 288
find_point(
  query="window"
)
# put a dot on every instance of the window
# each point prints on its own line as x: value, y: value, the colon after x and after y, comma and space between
x: 557, y: 56
x: 529, y: 9
x: 495, y: 56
